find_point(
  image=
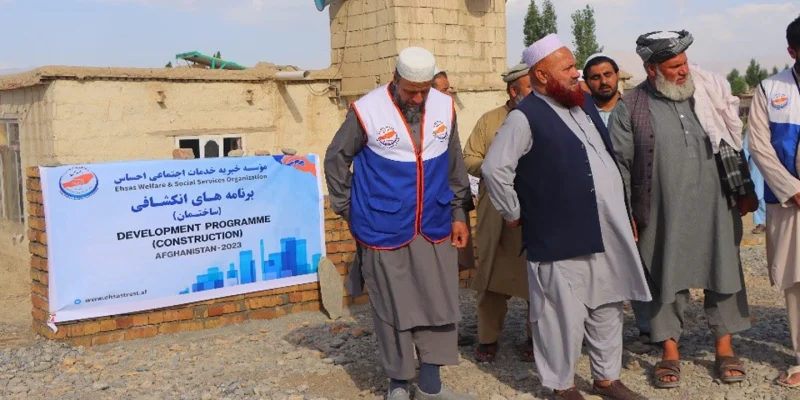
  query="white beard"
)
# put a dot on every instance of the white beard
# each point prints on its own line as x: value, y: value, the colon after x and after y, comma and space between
x: 672, y: 91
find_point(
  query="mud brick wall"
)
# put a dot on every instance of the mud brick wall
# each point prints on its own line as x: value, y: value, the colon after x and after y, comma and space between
x: 188, y: 317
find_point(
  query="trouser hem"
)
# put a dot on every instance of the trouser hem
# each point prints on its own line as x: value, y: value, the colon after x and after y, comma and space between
x: 555, y: 385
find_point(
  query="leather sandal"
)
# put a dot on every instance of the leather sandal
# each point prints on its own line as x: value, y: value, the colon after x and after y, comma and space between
x: 667, y: 368
x: 725, y: 364
x: 569, y: 394
x: 616, y: 391
x: 527, y: 354
x: 486, y: 352
x: 783, y: 379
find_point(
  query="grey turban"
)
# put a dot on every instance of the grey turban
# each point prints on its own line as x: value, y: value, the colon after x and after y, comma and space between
x: 657, y: 47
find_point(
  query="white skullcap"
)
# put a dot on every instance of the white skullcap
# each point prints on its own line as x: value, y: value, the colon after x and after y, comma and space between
x: 595, y: 55
x: 541, y: 49
x: 416, y: 64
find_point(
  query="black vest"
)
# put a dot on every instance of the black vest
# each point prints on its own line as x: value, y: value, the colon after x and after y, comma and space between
x: 555, y: 187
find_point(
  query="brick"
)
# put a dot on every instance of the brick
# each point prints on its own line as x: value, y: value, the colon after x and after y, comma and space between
x: 37, y: 249
x: 212, y: 323
x: 34, y: 184
x: 140, y: 333
x: 140, y: 320
x: 310, y: 295
x: 175, y: 327
x: 215, y: 311
x: 308, y: 286
x: 34, y: 197
x: 295, y: 297
x: 38, y: 289
x: 124, y: 322
x: 40, y: 303
x: 269, y: 313
x: 37, y: 223
x: 178, y: 315
x: 267, y: 301
x: 84, y: 341
x: 106, y: 338
x: 32, y: 172
x: 36, y: 210
x: 233, y: 318
x: 38, y: 314
x: 155, y: 317
x: 108, y: 325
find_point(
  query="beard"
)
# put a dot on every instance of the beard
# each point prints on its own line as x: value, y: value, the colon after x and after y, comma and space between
x: 674, y: 91
x: 411, y: 112
x: 605, y: 97
x: 518, y: 98
x: 565, y: 96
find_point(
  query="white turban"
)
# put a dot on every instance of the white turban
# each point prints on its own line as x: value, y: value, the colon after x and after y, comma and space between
x: 541, y: 49
x: 416, y: 64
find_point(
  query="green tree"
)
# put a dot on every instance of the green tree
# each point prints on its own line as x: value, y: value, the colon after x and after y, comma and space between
x: 538, y: 25
x: 585, y: 41
x: 738, y: 84
x: 549, y: 18
x: 755, y: 74
x: 532, y: 22
x: 775, y: 70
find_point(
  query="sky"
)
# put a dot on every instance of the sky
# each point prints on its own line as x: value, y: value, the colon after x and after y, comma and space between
x: 149, y: 33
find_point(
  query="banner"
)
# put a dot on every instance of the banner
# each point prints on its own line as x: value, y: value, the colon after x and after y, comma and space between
x: 133, y: 236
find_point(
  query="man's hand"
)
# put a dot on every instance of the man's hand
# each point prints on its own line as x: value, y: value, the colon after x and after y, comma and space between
x: 635, y: 231
x: 747, y: 203
x: 513, y: 224
x: 460, y: 234
x: 796, y: 199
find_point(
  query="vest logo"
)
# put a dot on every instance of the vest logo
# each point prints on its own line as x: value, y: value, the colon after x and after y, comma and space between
x: 440, y: 131
x: 78, y: 183
x: 388, y: 137
x: 779, y: 101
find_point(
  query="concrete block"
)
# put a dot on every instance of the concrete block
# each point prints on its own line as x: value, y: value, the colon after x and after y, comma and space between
x: 424, y: 16
x: 455, y: 32
x: 352, y: 54
x: 447, y: 17
x: 371, y: 19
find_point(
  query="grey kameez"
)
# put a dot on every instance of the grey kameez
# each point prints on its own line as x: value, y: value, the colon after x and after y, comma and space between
x: 411, y: 288
x: 583, y: 294
x: 692, y: 237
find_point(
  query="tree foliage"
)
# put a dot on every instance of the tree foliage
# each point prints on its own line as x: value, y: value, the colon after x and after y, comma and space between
x: 538, y: 25
x: 738, y: 84
x: 583, y: 31
x: 754, y: 74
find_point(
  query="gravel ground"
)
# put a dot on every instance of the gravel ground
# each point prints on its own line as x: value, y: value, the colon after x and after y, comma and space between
x: 305, y: 356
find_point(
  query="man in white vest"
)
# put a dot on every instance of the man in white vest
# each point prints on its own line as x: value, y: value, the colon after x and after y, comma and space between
x: 404, y: 201
x: 774, y: 133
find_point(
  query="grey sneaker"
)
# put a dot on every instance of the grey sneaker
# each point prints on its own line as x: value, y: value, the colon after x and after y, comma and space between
x: 398, y: 394
x: 444, y: 394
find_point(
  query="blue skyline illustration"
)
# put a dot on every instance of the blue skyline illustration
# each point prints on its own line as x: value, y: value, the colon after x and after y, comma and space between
x: 292, y: 260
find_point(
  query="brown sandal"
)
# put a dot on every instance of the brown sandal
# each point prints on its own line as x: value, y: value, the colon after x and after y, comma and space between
x: 617, y: 391
x: 725, y: 364
x: 486, y: 352
x: 527, y: 354
x: 569, y: 394
x: 667, y: 368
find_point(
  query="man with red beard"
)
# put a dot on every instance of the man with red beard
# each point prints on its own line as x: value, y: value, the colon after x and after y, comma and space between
x: 551, y: 169
x: 678, y: 141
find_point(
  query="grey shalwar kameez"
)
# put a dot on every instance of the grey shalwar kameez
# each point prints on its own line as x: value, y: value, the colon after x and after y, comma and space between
x: 580, y: 297
x: 413, y: 290
x: 693, y: 235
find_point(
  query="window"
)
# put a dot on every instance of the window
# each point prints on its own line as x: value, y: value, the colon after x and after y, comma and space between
x: 11, y: 194
x: 211, y: 146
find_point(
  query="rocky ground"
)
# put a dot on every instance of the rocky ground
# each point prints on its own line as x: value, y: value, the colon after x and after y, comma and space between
x: 305, y: 356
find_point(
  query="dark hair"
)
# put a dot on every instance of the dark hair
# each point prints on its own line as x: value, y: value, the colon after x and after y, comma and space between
x: 597, y: 61
x: 793, y: 34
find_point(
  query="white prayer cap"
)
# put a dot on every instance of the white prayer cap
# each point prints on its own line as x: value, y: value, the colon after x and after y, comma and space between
x: 596, y: 55
x: 541, y: 49
x: 416, y: 64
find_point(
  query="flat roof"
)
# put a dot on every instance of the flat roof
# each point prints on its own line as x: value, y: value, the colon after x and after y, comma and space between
x: 260, y: 73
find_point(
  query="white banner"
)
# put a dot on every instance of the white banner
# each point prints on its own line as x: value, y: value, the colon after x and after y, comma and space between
x: 133, y: 236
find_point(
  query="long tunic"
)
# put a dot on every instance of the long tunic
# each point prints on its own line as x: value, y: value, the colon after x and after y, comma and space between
x: 783, y: 220
x: 415, y: 285
x: 501, y: 267
x: 597, y: 279
x: 692, y: 237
